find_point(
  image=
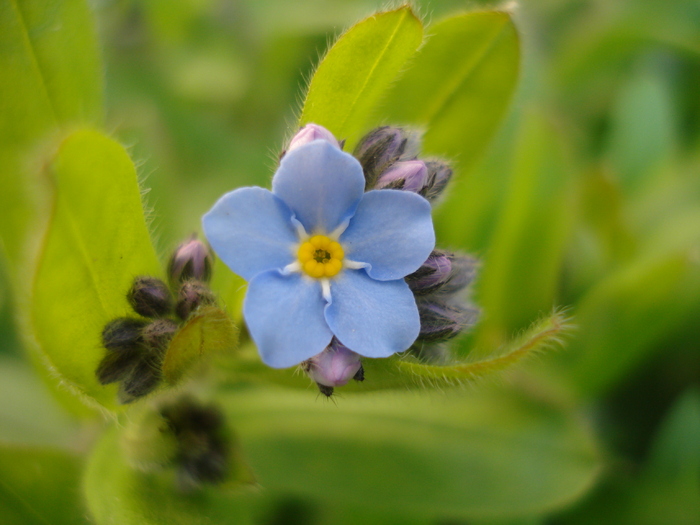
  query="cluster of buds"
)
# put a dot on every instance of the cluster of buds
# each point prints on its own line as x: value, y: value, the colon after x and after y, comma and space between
x: 202, y: 445
x: 136, y: 345
x: 389, y: 158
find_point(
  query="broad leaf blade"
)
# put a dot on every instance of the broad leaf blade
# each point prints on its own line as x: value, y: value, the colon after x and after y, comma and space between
x: 50, y: 78
x: 97, y: 242
x: 358, y: 70
x: 459, y: 84
x: 432, y: 455
x: 39, y: 486
x: 522, y: 267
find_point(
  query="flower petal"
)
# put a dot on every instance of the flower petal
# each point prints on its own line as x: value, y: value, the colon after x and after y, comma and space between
x: 251, y: 231
x: 392, y: 231
x: 284, y: 314
x: 373, y: 318
x: 321, y: 184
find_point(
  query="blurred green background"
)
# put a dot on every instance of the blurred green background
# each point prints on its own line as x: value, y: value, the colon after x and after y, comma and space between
x: 588, y: 197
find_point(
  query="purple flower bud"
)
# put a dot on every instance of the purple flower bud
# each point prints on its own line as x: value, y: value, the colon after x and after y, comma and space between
x: 408, y: 175
x: 157, y: 336
x: 123, y: 334
x: 335, y: 366
x: 116, y: 366
x: 439, y: 175
x: 441, y: 320
x: 309, y: 133
x: 150, y: 297
x: 192, y: 295
x: 143, y: 379
x: 193, y: 259
x: 443, y: 272
x: 380, y: 148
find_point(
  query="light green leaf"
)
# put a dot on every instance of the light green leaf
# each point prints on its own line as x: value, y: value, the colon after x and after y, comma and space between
x: 523, y: 265
x: 209, y: 331
x: 39, y: 486
x: 358, y: 70
x: 33, y: 417
x: 118, y: 493
x: 406, y: 372
x: 50, y: 78
x: 96, y: 243
x: 459, y: 85
x: 482, y: 454
x: 229, y: 288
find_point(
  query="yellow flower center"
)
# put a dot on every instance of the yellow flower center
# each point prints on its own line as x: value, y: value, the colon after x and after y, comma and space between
x: 321, y: 257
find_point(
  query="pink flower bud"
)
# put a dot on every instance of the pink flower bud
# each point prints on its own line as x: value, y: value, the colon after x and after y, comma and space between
x: 309, y: 133
x: 408, y: 175
x: 335, y: 366
x: 191, y: 260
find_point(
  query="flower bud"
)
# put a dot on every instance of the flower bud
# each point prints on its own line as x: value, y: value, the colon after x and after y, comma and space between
x: 157, y: 336
x: 380, y: 148
x: 203, y: 443
x: 441, y: 320
x: 439, y: 174
x: 150, y: 297
x: 143, y: 379
x: 192, y: 295
x: 192, y: 260
x: 407, y: 175
x: 123, y: 334
x: 310, y: 133
x: 335, y: 366
x: 116, y: 366
x: 443, y: 272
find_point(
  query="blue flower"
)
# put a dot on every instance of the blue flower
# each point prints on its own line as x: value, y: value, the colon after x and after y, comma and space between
x: 323, y: 258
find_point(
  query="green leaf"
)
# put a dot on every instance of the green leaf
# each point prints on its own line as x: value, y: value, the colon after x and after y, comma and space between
x: 50, y: 78
x: 358, y: 70
x: 643, y: 129
x: 667, y: 490
x: 522, y: 268
x: 209, y: 331
x: 229, y: 288
x: 96, y: 243
x: 459, y: 84
x: 33, y: 417
x: 482, y: 454
x: 622, y: 317
x: 118, y: 493
x: 407, y: 373
x: 39, y: 486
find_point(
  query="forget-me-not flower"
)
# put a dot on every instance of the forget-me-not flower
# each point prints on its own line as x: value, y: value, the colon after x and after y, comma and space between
x: 323, y: 258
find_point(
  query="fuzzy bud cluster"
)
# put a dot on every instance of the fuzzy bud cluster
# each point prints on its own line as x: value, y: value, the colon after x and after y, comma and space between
x: 333, y: 367
x: 202, y: 450
x: 389, y: 158
x: 438, y: 287
x: 136, y: 346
